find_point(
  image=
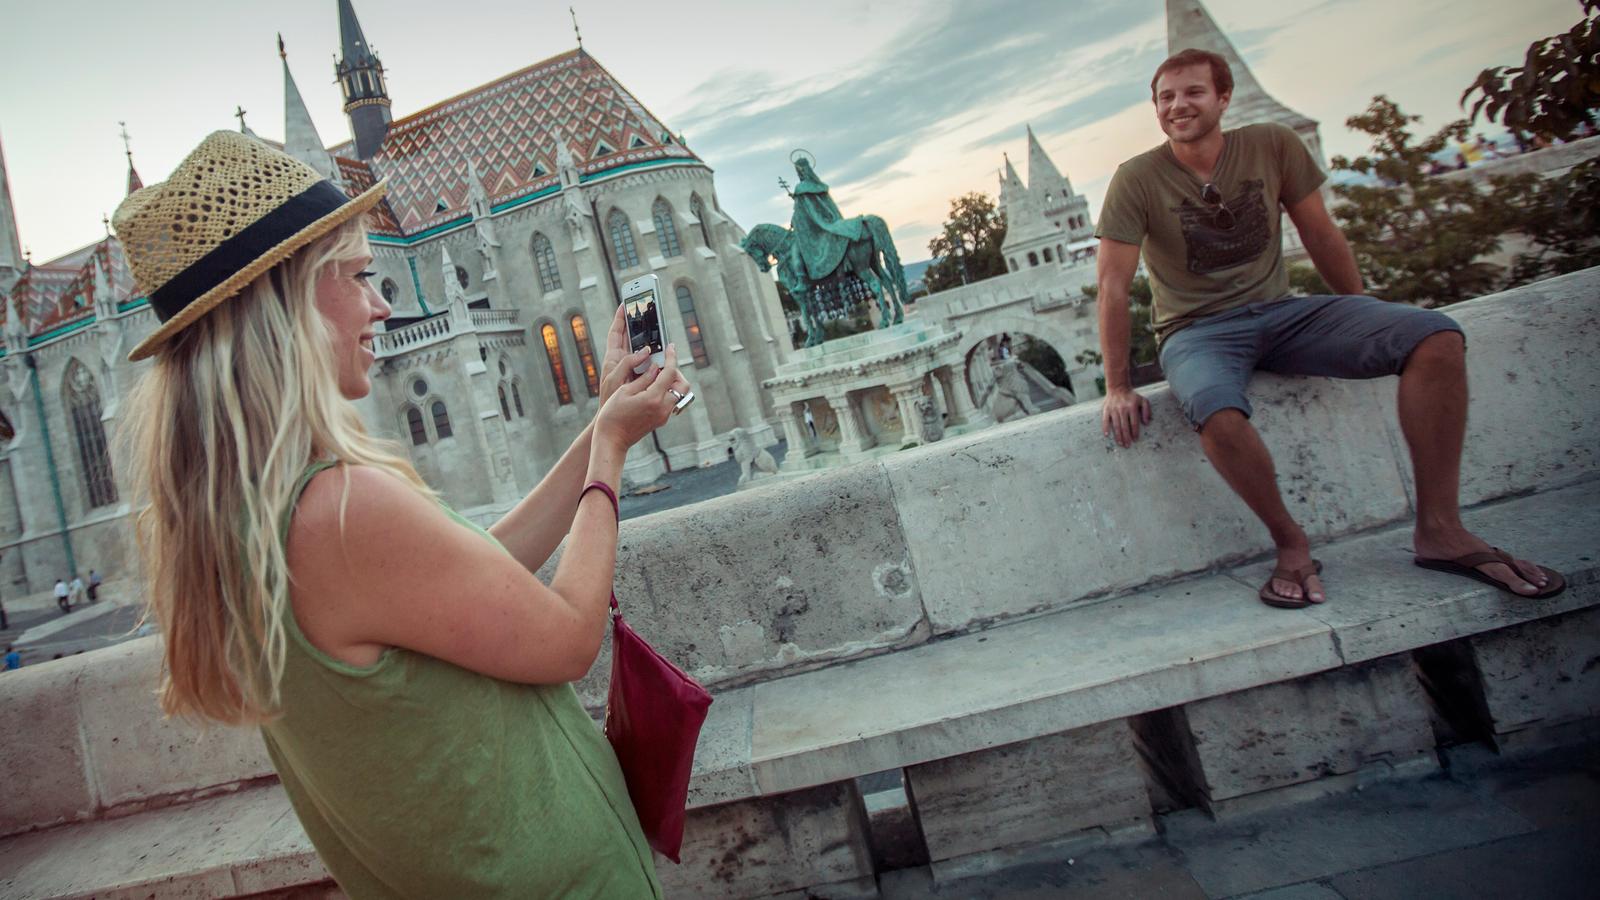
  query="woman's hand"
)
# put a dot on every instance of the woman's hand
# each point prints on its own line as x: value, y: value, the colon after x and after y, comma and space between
x: 617, y: 369
x: 641, y: 405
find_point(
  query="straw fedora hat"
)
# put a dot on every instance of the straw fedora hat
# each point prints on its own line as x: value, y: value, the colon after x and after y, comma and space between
x: 234, y: 208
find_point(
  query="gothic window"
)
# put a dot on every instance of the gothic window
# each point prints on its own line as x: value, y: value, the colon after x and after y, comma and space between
x: 461, y: 277
x: 516, y: 396
x: 1033, y: 259
x: 502, y: 368
x: 1047, y: 255
x: 441, y: 420
x: 419, y: 431
x: 505, y: 408
x: 622, y: 239
x: 666, y: 231
x: 698, y: 209
x: 580, y: 336
x: 691, y: 326
x: 1013, y: 261
x: 419, y: 387
x: 390, y: 291
x: 544, y: 256
x: 83, y: 402
x: 1061, y: 254
x: 552, y: 355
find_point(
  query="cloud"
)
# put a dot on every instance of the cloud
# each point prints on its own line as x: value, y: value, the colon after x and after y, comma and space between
x: 950, y: 66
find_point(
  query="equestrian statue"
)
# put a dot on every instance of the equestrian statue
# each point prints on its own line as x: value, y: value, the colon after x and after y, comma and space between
x: 821, y: 247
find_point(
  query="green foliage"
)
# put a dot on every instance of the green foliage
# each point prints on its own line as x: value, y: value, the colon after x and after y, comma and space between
x: 1417, y: 238
x: 1045, y: 360
x: 1142, y: 335
x: 1554, y: 91
x: 976, y: 225
x: 1304, y: 281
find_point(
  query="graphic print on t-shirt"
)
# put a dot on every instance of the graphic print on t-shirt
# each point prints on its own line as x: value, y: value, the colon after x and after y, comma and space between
x: 1212, y: 248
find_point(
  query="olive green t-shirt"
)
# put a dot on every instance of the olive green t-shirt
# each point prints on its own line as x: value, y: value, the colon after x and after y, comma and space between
x: 1200, y: 263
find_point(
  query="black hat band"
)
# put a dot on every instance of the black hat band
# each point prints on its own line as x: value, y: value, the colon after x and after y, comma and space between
x: 250, y: 244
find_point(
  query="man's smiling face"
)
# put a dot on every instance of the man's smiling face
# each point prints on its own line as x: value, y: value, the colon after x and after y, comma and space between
x: 1187, y: 104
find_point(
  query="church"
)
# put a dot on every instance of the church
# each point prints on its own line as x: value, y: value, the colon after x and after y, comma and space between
x: 514, y: 213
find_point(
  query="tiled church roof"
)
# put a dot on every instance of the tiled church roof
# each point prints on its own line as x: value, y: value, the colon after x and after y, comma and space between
x: 61, y: 291
x: 358, y: 177
x: 510, y: 128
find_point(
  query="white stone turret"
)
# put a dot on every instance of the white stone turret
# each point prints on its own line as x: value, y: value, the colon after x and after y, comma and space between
x: 1043, y: 218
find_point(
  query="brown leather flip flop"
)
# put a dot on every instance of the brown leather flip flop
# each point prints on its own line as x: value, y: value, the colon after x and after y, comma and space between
x: 1467, y: 566
x: 1298, y: 576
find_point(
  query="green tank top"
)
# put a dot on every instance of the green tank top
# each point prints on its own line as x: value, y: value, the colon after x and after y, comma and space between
x: 414, y: 777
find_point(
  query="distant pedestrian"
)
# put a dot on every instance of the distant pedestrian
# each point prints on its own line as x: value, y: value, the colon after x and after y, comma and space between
x: 94, y: 585
x: 811, y: 421
x: 62, y: 594
x: 75, y: 590
x: 13, y: 658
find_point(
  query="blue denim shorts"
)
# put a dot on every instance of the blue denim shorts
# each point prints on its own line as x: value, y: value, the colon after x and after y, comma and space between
x: 1209, y: 363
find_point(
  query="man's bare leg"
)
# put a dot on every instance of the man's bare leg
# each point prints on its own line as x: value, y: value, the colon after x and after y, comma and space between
x: 1236, y: 450
x: 1433, y: 416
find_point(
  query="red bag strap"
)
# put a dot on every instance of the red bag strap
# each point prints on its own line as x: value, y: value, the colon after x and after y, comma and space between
x: 616, y: 509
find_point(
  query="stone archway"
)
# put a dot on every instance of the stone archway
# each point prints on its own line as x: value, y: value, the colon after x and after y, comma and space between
x: 978, y: 333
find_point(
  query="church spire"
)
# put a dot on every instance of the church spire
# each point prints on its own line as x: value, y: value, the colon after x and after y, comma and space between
x: 1189, y: 25
x: 300, y: 138
x: 11, y: 260
x: 360, y: 76
x: 134, y: 182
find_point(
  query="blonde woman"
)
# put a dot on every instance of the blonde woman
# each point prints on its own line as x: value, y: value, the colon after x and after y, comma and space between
x: 408, y: 672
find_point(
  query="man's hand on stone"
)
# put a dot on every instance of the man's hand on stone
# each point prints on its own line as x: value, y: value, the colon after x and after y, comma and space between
x: 1121, y: 415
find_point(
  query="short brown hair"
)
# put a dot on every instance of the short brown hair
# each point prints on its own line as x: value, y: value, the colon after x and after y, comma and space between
x: 1221, y: 74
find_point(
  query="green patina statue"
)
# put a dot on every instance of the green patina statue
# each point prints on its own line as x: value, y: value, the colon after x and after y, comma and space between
x: 820, y: 248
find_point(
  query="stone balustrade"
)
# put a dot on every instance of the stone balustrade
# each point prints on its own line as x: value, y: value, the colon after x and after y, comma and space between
x: 989, y: 613
x: 494, y: 319
x: 413, y: 336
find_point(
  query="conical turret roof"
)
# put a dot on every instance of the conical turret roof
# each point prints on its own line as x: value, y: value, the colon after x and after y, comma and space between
x: 1189, y: 25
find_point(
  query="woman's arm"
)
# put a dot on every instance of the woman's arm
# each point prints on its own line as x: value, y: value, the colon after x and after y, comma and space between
x: 533, y: 529
x: 390, y: 569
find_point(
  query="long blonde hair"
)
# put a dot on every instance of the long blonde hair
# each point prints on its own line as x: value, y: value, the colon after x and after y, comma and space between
x: 219, y: 431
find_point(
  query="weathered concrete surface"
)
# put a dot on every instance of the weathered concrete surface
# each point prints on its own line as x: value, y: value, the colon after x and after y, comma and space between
x: 192, y: 850
x: 1029, y: 792
x: 770, y: 845
x: 1542, y: 673
x: 43, y: 770
x: 1296, y: 731
x: 136, y: 755
x: 800, y: 573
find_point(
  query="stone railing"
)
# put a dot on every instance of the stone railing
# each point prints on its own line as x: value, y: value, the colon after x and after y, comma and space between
x: 435, y: 328
x: 494, y: 319
x: 1029, y: 587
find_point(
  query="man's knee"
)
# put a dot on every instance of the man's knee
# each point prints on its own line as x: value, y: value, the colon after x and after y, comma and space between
x: 1440, y: 350
x: 1224, y: 423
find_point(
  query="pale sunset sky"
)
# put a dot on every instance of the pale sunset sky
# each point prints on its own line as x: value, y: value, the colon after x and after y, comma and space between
x: 904, y: 104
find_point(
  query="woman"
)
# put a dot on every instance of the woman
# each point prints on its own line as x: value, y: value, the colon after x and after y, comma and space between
x: 409, y: 674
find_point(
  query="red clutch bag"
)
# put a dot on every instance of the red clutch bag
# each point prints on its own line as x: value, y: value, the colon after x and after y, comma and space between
x: 653, y: 716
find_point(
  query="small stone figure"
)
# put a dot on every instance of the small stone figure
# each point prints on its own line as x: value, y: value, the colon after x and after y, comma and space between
x: 748, y: 454
x: 932, y: 421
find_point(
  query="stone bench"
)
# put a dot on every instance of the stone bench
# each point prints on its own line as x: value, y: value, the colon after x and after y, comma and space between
x: 1026, y: 606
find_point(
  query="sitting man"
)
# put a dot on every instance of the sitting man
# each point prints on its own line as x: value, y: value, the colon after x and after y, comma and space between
x: 1204, y: 208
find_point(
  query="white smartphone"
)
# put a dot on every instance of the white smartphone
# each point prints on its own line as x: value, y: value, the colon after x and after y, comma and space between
x: 641, y: 300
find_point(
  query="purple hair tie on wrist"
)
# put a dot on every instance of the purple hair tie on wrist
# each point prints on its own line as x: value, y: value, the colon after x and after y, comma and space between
x: 611, y: 495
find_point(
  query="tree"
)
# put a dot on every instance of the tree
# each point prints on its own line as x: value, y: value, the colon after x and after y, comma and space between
x: 1142, y: 348
x: 1551, y: 95
x: 1417, y: 238
x: 977, y: 228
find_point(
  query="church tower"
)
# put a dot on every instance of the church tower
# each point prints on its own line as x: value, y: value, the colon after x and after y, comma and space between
x: 11, y: 261
x: 1043, y: 218
x: 1189, y: 25
x: 360, y: 76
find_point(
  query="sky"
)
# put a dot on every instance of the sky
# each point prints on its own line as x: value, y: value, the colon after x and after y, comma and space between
x: 905, y: 105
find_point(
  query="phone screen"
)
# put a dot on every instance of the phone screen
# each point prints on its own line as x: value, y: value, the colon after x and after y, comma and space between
x: 644, y: 323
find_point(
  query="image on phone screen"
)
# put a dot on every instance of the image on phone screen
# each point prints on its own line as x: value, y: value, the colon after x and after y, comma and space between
x: 644, y: 324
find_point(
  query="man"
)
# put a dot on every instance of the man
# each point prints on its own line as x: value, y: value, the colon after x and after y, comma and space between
x: 61, y: 594
x: 75, y: 590
x: 94, y: 585
x: 1204, y: 208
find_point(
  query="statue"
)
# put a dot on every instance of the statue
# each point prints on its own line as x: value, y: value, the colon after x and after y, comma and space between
x: 820, y: 246
x: 932, y: 419
x: 747, y: 454
x: 479, y: 199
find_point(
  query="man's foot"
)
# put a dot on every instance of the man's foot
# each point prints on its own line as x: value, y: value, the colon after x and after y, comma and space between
x: 1283, y: 584
x: 1521, y: 577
